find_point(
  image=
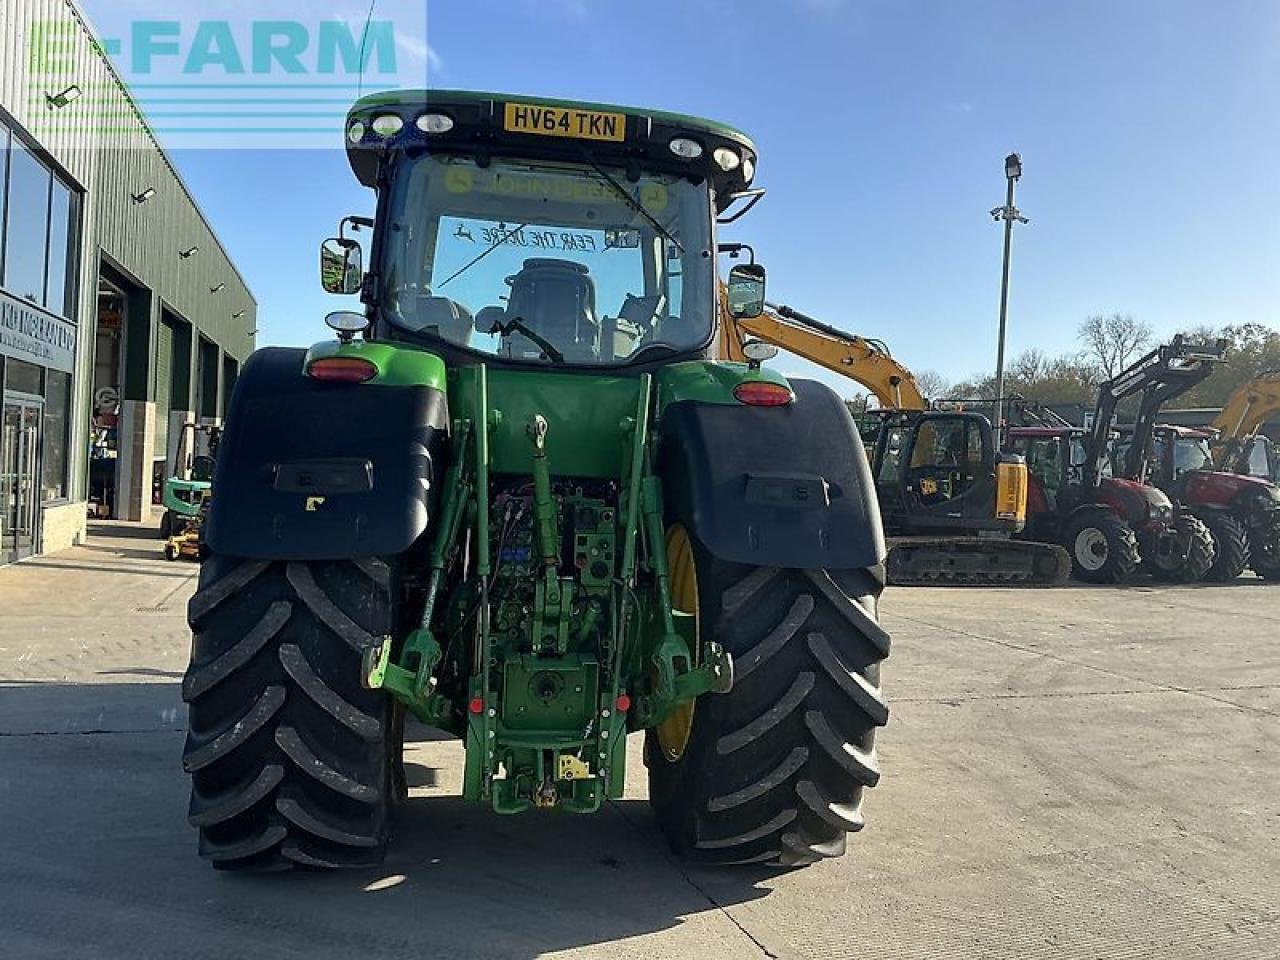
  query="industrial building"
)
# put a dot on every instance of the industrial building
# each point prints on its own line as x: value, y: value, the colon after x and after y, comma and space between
x: 122, y: 318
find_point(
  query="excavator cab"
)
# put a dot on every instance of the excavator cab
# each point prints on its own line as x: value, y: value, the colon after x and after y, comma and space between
x: 1263, y: 459
x: 934, y: 472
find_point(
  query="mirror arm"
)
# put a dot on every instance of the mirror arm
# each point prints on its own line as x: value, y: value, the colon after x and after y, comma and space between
x: 751, y: 196
x: 734, y: 250
x: 357, y: 224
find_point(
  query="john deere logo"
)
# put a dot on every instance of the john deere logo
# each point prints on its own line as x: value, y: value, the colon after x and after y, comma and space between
x: 314, y: 504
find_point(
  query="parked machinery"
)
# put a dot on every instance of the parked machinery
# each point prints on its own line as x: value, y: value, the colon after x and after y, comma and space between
x: 950, y: 500
x: 1240, y: 446
x: 1111, y: 525
x: 516, y: 499
x: 1241, y: 512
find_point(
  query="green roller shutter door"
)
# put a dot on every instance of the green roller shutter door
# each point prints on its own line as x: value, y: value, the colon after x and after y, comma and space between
x: 164, y: 381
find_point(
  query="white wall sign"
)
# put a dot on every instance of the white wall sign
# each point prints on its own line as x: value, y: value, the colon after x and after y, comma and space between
x: 29, y: 333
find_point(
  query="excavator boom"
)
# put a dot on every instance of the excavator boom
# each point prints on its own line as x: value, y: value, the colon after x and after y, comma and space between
x: 867, y: 362
x: 1247, y: 410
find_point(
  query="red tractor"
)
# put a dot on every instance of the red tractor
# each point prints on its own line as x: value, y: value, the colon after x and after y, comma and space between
x: 1241, y: 512
x: 1112, y: 525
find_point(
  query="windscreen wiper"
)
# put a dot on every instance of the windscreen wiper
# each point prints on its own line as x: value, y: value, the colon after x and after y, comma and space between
x: 515, y: 324
x: 632, y: 202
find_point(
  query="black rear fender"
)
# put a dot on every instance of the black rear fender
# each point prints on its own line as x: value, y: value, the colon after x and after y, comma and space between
x: 773, y: 486
x: 316, y: 471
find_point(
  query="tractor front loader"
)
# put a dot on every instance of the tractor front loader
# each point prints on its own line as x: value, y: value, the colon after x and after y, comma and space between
x: 1241, y: 512
x: 1112, y: 525
x: 516, y: 500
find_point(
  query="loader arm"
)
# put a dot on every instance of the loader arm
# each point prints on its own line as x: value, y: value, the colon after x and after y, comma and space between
x: 1160, y: 376
x: 865, y: 361
x: 1248, y: 408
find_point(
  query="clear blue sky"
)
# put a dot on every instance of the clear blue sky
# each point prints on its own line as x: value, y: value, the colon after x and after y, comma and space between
x: 1148, y: 133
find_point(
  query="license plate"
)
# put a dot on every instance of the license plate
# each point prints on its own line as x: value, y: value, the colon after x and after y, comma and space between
x: 565, y: 122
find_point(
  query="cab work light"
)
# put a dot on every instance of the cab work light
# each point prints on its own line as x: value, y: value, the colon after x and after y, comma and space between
x: 761, y: 393
x: 686, y: 149
x: 387, y: 125
x: 726, y: 159
x: 342, y: 370
x: 435, y: 123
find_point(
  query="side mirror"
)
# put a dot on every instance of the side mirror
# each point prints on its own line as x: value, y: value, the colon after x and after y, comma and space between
x: 341, y: 266
x: 746, y: 290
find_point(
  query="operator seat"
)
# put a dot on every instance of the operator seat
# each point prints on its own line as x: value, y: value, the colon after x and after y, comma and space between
x: 557, y: 299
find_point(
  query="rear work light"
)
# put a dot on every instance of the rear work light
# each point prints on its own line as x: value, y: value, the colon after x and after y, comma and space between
x: 342, y: 370
x: 761, y: 393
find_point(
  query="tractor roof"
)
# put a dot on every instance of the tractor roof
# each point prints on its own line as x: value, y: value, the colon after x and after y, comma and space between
x: 475, y: 123
x: 444, y: 99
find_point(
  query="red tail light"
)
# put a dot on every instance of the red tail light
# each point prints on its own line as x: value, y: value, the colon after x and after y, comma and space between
x: 342, y: 370
x: 761, y: 393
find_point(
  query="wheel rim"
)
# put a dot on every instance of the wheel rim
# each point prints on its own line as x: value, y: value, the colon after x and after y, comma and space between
x: 1091, y: 548
x: 673, y: 732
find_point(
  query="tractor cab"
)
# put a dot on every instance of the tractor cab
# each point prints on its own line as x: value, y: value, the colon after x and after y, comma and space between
x: 542, y: 233
x: 1056, y: 459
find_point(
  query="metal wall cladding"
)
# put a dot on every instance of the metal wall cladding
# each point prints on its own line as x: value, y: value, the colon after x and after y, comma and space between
x: 112, y: 162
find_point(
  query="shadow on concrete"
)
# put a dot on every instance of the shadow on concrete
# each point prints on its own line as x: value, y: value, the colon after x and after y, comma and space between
x: 142, y: 672
x: 127, y: 553
x: 120, y: 530
x: 172, y: 571
x: 99, y: 858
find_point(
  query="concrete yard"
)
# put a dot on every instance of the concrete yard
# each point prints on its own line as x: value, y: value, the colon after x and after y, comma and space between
x: 1078, y: 773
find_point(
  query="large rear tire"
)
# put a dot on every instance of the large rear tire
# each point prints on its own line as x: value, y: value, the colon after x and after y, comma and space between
x: 1191, y: 556
x: 774, y: 770
x: 1103, y: 548
x: 292, y: 761
x: 1231, y: 545
x: 1265, y: 551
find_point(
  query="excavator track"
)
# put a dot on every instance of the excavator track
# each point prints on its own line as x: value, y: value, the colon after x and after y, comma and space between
x: 976, y: 562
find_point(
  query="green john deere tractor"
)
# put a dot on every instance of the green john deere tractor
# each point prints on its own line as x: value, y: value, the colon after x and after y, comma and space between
x: 517, y: 499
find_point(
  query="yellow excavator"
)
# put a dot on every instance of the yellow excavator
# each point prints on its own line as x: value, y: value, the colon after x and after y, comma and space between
x: 950, y: 500
x: 1240, y: 446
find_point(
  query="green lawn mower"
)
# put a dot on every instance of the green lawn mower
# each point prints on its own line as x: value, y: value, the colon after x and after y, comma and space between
x: 518, y: 499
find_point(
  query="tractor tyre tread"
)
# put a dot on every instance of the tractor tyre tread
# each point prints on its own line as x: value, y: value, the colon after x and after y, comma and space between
x: 1201, y: 553
x: 775, y: 769
x: 1122, y: 548
x: 1264, y: 555
x: 292, y: 761
x: 1231, y: 541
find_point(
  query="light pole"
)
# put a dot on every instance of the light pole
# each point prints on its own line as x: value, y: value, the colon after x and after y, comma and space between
x: 1009, y: 214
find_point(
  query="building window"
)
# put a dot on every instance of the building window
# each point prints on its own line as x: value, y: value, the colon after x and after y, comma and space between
x: 57, y: 297
x: 38, y: 220
x: 26, y: 225
x: 57, y: 425
x: 4, y: 180
x: 23, y: 377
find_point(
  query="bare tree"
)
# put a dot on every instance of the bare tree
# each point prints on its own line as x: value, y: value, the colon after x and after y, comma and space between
x: 932, y: 384
x: 1112, y: 341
